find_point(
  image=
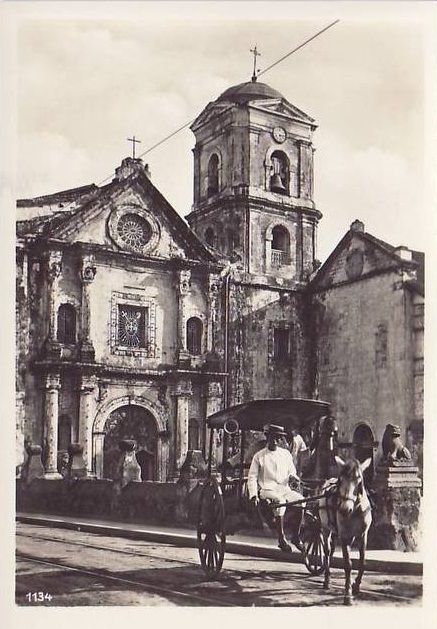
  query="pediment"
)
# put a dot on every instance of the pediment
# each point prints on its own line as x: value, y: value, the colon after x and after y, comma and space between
x: 132, y: 217
x: 283, y: 107
x: 212, y: 110
x: 356, y: 256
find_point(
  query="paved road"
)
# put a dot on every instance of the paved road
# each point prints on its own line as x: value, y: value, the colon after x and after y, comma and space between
x: 76, y: 568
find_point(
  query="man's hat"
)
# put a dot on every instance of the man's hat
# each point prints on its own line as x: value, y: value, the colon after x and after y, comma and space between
x: 277, y: 431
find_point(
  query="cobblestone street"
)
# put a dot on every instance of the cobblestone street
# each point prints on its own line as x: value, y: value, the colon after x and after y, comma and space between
x: 80, y: 569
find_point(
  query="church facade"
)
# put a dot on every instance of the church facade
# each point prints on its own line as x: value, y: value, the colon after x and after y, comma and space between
x: 132, y: 323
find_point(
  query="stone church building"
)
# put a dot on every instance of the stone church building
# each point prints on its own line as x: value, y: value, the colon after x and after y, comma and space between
x: 133, y: 323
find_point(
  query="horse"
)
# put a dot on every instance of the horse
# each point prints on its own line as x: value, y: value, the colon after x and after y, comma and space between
x: 345, y: 512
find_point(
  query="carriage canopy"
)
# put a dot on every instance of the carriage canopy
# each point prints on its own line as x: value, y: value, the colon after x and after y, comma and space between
x: 288, y: 412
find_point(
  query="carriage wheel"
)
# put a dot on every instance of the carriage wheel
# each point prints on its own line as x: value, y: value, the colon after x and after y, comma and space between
x: 312, y: 543
x: 211, y: 536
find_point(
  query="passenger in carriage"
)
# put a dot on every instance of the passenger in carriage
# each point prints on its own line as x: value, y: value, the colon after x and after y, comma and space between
x: 270, y: 472
x: 298, y: 448
x: 255, y: 442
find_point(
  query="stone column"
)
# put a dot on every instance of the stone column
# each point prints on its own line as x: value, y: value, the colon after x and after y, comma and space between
x: 305, y: 166
x: 87, y: 412
x: 182, y: 392
x: 268, y: 260
x: 184, y: 290
x: 53, y: 272
x: 213, y: 294
x: 51, y: 408
x: 307, y: 226
x: 214, y: 403
x: 87, y: 275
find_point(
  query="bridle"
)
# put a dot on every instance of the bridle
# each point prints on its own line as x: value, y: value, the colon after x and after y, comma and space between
x: 353, y: 497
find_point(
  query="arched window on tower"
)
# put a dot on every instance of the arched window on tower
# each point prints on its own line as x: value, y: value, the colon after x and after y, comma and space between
x: 280, y: 177
x: 210, y: 237
x: 213, y: 175
x: 194, y: 335
x: 66, y: 324
x: 280, y: 246
x: 193, y: 434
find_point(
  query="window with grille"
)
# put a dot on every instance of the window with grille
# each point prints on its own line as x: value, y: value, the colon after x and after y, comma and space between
x: 281, y: 344
x: 194, y: 335
x: 66, y: 324
x: 132, y: 326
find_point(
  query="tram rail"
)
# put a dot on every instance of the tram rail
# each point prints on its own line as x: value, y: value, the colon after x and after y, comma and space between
x: 221, y: 601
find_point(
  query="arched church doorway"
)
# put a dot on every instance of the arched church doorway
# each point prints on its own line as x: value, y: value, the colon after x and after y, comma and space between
x: 364, y: 444
x: 131, y: 422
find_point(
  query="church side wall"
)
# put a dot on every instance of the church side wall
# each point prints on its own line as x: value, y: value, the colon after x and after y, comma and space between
x: 255, y: 371
x: 364, y: 354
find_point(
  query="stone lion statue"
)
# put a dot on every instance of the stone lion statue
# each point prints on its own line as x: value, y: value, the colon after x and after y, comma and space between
x: 392, y: 447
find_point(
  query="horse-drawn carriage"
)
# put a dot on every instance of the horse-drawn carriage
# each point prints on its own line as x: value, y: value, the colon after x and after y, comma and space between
x: 224, y: 496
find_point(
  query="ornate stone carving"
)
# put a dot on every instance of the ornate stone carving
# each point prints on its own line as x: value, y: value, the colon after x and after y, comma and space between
x: 88, y: 384
x: 54, y: 271
x: 393, y: 449
x: 183, y: 388
x: 213, y: 284
x: 88, y: 269
x: 88, y: 273
x: 214, y: 390
x: 193, y: 468
x: 52, y: 382
x: 103, y: 391
x: 135, y: 301
x: 54, y: 265
x: 128, y: 468
x: 184, y: 278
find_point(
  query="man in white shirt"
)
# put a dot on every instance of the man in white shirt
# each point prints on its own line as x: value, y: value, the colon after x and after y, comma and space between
x: 269, y: 473
x: 298, y: 449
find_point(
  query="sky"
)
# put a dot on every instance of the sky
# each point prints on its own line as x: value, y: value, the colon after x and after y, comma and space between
x: 88, y: 80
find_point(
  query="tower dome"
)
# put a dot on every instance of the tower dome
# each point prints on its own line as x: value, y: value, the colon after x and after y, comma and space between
x: 252, y: 90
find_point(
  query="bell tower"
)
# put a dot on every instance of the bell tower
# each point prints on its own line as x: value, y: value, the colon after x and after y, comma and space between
x: 253, y: 182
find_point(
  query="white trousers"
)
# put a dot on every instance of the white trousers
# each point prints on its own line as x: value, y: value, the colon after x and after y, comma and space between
x: 280, y: 494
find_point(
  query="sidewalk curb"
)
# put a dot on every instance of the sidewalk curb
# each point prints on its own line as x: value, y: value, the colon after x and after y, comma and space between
x: 190, y: 541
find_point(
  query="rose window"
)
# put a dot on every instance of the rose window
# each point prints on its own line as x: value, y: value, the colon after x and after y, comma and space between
x: 134, y: 230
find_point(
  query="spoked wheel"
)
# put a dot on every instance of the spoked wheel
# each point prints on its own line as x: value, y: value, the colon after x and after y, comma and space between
x: 312, y: 542
x: 211, y: 536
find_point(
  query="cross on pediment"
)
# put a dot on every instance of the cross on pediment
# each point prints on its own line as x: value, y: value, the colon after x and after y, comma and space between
x: 134, y: 141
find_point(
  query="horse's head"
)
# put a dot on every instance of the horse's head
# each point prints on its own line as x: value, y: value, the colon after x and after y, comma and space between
x: 350, y: 483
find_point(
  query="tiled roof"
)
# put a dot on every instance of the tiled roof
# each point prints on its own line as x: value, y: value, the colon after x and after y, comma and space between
x: 64, y: 196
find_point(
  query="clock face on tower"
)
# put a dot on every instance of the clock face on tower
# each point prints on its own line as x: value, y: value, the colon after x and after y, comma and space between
x: 279, y: 134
